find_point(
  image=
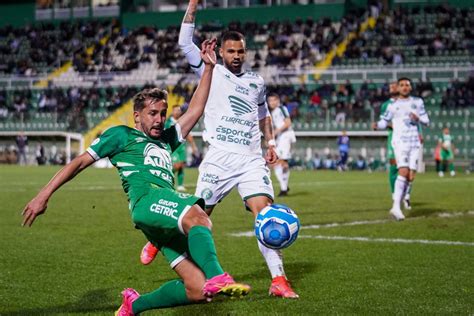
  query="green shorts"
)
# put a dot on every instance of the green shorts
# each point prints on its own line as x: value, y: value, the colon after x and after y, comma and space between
x: 179, y: 155
x: 447, y: 154
x: 159, y: 216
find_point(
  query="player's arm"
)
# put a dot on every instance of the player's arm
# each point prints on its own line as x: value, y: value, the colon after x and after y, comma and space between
x: 385, y: 119
x: 266, y: 127
x: 185, y: 41
x: 39, y: 203
x: 422, y: 116
x: 286, y: 123
x: 190, y: 140
x: 198, y: 101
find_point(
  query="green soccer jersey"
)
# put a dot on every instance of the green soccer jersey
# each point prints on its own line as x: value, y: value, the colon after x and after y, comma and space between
x: 142, y: 162
x: 383, y: 108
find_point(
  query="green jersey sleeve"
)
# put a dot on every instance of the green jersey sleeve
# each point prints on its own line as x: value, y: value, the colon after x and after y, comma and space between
x: 173, y: 136
x: 109, y: 143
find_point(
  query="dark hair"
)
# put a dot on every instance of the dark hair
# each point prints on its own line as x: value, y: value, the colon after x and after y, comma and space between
x: 403, y: 79
x: 273, y: 94
x: 154, y: 94
x: 232, y: 36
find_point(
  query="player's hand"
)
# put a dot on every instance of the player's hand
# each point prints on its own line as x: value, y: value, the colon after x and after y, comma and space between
x: 374, y: 126
x: 208, y: 51
x: 421, y: 138
x: 271, y: 156
x: 414, y: 118
x: 34, y: 208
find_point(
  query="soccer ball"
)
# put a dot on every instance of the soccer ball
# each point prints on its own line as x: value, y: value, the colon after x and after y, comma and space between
x: 277, y: 226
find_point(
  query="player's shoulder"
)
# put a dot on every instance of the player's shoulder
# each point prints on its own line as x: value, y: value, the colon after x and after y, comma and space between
x: 118, y: 129
x: 417, y: 100
x: 250, y: 75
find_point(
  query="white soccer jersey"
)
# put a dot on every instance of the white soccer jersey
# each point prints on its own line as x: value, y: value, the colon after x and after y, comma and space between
x: 279, y: 115
x: 405, y: 131
x: 234, y: 105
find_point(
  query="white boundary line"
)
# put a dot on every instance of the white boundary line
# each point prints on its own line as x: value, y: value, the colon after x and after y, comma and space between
x: 392, y: 240
x: 367, y: 239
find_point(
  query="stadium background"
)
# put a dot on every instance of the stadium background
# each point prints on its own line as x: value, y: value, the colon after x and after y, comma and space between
x: 69, y: 68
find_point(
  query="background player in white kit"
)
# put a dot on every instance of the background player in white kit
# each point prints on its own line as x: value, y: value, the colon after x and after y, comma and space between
x: 285, y: 136
x: 405, y: 113
x: 236, y: 114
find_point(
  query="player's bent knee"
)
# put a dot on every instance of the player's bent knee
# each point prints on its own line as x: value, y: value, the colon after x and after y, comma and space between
x: 196, y: 217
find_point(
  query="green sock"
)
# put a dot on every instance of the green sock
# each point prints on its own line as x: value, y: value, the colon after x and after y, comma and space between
x: 203, y: 252
x: 451, y: 166
x: 172, y: 293
x: 180, y: 176
x: 392, y: 177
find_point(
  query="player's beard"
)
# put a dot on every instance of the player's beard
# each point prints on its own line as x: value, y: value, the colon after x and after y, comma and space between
x: 157, y: 128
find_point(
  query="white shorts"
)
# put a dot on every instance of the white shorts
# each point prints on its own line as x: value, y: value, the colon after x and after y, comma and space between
x: 283, y: 145
x: 406, y: 155
x: 221, y: 171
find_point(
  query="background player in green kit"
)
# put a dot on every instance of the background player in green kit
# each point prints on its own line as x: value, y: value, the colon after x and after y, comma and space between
x: 174, y: 222
x: 179, y: 155
x: 447, y: 156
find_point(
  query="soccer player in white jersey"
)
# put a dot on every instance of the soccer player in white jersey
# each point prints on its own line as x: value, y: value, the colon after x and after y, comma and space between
x: 236, y: 114
x: 405, y: 113
x: 285, y: 136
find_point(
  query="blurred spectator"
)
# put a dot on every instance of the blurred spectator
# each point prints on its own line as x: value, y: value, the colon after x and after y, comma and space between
x: 40, y: 156
x: 22, y: 148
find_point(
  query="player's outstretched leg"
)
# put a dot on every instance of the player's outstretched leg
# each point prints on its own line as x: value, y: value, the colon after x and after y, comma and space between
x: 280, y: 286
x: 148, y: 253
x: 128, y: 297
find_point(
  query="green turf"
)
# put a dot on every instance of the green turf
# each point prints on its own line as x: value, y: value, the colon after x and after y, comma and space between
x: 79, y: 255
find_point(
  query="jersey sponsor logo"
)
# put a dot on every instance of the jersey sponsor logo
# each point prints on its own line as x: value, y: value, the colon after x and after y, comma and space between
x: 157, y: 157
x: 165, y: 207
x: 242, y: 90
x: 239, y: 106
x: 206, y: 194
x: 209, y: 178
x: 236, y: 120
x: 233, y: 136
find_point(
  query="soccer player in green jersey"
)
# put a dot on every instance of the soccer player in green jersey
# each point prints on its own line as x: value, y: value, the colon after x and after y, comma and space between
x: 447, y: 156
x: 174, y: 222
x: 179, y: 155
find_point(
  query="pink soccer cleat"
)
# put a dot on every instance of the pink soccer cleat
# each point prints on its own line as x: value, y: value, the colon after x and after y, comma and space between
x: 281, y: 288
x: 148, y: 254
x: 224, y: 284
x: 129, y: 296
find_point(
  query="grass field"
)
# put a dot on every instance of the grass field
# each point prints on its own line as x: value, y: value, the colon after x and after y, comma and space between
x: 79, y: 255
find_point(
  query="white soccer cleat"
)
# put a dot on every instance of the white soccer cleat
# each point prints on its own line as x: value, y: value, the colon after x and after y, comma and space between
x: 397, y: 214
x: 452, y: 173
x: 441, y: 174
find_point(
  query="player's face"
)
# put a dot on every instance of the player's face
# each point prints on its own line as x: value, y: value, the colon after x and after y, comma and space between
x: 176, y: 113
x: 151, y: 120
x: 393, y: 89
x: 273, y: 102
x: 233, y: 55
x: 404, y: 88
x: 446, y: 131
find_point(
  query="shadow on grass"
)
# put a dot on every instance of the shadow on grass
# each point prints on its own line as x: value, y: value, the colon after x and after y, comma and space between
x: 92, y: 301
x: 424, y: 211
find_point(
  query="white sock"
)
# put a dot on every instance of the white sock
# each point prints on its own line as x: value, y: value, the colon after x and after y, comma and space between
x: 286, y: 178
x: 279, y: 175
x: 274, y: 260
x: 400, y: 188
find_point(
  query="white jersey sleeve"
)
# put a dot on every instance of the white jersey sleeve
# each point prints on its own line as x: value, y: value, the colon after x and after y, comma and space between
x: 189, y: 49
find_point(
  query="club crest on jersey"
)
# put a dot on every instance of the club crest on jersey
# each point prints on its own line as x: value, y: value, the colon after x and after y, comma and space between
x: 239, y: 106
x: 156, y: 157
x: 413, y: 106
x: 253, y: 85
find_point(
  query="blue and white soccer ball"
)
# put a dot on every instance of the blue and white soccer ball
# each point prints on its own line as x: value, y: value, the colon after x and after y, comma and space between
x: 277, y: 226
